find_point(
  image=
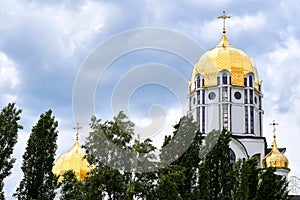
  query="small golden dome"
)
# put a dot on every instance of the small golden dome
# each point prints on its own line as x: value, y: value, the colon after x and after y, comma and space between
x: 275, y: 158
x: 225, y: 57
x: 74, y: 160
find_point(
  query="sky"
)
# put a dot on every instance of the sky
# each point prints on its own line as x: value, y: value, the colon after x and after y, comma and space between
x: 44, y: 46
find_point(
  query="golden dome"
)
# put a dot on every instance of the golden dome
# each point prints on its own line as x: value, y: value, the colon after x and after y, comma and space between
x: 74, y: 160
x: 275, y: 158
x: 225, y: 57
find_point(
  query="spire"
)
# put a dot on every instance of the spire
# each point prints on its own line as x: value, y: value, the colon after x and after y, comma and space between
x: 224, y: 17
x: 77, y: 127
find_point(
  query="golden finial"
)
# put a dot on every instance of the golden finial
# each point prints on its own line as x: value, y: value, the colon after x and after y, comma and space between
x: 274, y: 124
x: 77, y: 127
x: 224, y: 17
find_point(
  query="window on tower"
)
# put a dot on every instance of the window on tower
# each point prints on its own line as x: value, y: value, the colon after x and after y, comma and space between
x: 198, y: 96
x: 251, y: 96
x: 203, y: 119
x: 198, y: 81
x: 225, y: 115
x: 232, y: 157
x: 246, y: 96
x: 198, y: 117
x: 250, y: 81
x: 246, y: 120
x: 252, y: 119
x: 260, y: 123
x: 224, y: 94
x: 224, y: 79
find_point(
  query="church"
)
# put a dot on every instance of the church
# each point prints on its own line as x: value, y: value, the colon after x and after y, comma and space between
x: 224, y: 92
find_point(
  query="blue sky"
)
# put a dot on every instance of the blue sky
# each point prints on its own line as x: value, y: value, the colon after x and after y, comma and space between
x: 43, y: 45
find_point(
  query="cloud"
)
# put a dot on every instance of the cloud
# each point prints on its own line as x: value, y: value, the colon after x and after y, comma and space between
x: 43, y: 44
x: 279, y: 69
x: 9, y: 79
x: 153, y: 127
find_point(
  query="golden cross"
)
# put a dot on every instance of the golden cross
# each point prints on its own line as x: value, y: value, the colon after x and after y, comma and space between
x: 274, y: 124
x: 77, y: 127
x: 224, y: 17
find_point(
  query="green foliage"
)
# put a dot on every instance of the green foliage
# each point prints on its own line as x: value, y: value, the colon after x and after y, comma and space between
x: 186, y: 136
x: 111, y: 149
x: 71, y: 188
x: 39, y: 182
x: 216, y: 167
x: 272, y: 186
x: 9, y: 117
x: 170, y: 180
x: 246, y: 175
x: 201, y: 167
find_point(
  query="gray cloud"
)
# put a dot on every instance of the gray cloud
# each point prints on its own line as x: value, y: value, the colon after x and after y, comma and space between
x: 48, y: 41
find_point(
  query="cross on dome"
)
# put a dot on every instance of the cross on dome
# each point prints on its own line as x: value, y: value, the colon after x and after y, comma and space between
x: 274, y: 124
x: 224, y: 17
x: 77, y: 127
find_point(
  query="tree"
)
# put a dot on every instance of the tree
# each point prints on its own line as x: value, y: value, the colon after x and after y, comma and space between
x: 106, y: 144
x: 215, y: 170
x: 272, y: 186
x: 143, y: 176
x: 71, y: 188
x: 171, y: 178
x: 9, y: 117
x: 39, y: 182
x: 186, y: 140
x: 246, y: 179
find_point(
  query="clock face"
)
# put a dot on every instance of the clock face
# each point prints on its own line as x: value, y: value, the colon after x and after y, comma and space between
x: 237, y: 95
x: 212, y: 96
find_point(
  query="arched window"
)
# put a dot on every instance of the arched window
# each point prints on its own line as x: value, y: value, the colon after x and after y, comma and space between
x: 224, y: 79
x: 250, y: 81
x: 232, y: 157
x: 198, y: 81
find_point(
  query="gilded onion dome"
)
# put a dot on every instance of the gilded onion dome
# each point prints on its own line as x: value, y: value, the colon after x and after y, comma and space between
x: 275, y: 158
x: 225, y: 57
x: 74, y: 160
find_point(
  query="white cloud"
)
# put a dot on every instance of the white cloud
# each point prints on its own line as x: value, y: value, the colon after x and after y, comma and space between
x: 281, y: 97
x: 55, y: 31
x: 9, y: 75
x: 157, y: 126
x: 247, y: 23
x: 9, y: 79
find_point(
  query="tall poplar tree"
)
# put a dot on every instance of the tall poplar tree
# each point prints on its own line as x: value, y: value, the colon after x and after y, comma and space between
x: 39, y: 182
x: 246, y: 175
x: 216, y: 168
x: 9, y: 117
